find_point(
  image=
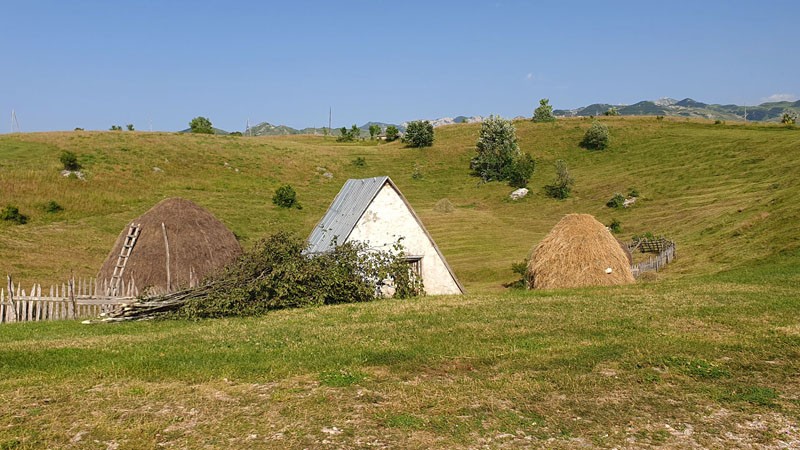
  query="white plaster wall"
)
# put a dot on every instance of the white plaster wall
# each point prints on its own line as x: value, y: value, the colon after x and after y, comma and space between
x: 386, y: 220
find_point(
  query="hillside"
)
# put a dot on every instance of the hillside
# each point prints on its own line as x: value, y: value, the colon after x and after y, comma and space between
x: 765, y: 112
x: 702, y: 355
x: 727, y: 194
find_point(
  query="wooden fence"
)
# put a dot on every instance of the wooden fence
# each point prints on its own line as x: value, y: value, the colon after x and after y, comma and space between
x: 664, y: 251
x: 76, y: 299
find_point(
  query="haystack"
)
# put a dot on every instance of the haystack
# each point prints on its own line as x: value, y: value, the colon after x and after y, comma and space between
x: 579, y: 251
x: 199, y: 245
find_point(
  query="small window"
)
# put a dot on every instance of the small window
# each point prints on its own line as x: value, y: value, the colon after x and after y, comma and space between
x: 415, y: 262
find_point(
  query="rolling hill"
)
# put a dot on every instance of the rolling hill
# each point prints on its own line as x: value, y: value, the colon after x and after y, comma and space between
x: 704, y: 354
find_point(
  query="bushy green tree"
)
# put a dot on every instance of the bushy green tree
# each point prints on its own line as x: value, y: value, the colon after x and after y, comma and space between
x: 789, y: 118
x: 129, y: 127
x: 544, y: 113
x: 392, y: 133
x: 374, y: 130
x: 419, y: 133
x: 11, y: 214
x: 201, y: 125
x: 596, y: 137
x: 286, y: 197
x: 115, y: 128
x: 613, y: 111
x: 349, y: 135
x: 498, y: 157
x: 561, y: 187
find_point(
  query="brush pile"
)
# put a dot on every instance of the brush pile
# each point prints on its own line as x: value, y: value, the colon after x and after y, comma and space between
x: 277, y: 274
x: 579, y: 251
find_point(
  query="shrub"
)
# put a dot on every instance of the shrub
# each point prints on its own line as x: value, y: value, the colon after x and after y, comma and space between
x: 392, y: 133
x: 613, y: 111
x: 520, y: 268
x: 544, y: 113
x: 596, y: 137
x: 615, y: 226
x: 129, y: 127
x: 235, y: 133
x: 617, y: 201
x: 11, y: 214
x: 718, y: 122
x: 521, y: 171
x: 562, y: 184
x: 416, y: 173
x: 359, y: 161
x: 53, y: 207
x: 69, y: 160
x: 276, y: 274
x: 789, y: 118
x: 659, y: 118
x: 286, y: 197
x: 350, y: 135
x: 115, y: 128
x: 632, y: 192
x: 419, y: 133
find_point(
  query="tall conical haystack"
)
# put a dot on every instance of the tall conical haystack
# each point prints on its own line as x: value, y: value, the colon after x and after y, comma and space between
x: 199, y: 245
x: 578, y: 252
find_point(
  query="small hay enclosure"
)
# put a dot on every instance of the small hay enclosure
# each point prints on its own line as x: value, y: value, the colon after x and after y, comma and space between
x: 177, y: 245
x: 578, y: 252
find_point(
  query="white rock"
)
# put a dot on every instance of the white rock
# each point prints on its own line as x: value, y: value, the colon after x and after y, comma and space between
x: 519, y: 193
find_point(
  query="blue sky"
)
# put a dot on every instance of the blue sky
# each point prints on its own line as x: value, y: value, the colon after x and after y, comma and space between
x: 93, y: 64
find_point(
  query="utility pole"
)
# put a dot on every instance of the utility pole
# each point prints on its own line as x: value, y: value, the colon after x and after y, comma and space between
x: 14, y: 122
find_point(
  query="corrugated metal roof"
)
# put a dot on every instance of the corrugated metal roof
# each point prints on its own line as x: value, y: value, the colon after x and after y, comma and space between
x: 343, y: 214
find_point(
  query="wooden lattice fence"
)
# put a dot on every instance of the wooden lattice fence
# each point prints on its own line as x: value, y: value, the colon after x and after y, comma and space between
x: 76, y: 299
x: 663, y: 251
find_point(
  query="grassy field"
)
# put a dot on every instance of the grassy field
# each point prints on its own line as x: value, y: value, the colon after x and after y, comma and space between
x: 706, y: 354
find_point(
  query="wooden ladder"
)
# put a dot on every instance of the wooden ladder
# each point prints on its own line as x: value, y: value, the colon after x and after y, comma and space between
x: 124, y: 254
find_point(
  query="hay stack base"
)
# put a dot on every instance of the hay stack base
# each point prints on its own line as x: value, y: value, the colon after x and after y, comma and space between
x: 578, y: 252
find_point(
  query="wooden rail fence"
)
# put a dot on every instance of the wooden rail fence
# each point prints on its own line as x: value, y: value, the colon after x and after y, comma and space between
x: 76, y: 299
x: 664, y: 251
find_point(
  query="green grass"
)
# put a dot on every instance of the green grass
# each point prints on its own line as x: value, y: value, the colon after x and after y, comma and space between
x: 706, y: 354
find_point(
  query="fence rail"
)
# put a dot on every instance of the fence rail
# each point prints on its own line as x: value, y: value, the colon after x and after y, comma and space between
x: 76, y: 299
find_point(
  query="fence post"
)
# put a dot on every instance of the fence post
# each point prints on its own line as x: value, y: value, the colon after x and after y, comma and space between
x: 72, y: 296
x: 11, y: 300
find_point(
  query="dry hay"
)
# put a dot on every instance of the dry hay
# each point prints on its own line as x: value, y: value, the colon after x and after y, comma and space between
x: 199, y: 245
x: 578, y: 252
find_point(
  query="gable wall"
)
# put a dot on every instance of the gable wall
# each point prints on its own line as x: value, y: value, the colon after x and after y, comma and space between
x: 388, y: 218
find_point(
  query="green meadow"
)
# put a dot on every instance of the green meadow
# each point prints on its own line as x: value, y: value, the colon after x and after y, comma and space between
x: 703, y: 354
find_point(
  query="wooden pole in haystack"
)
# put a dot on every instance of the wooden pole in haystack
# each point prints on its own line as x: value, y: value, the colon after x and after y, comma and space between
x: 166, y: 244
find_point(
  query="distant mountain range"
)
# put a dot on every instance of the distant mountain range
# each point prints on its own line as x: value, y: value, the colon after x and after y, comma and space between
x: 767, y: 112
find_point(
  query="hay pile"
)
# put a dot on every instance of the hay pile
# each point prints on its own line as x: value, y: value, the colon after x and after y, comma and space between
x: 578, y: 252
x: 199, y: 245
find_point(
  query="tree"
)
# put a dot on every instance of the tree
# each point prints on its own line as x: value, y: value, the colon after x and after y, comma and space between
x: 544, y: 113
x: 419, y: 133
x: 612, y: 111
x: 374, y: 130
x: 498, y: 155
x: 392, y: 133
x: 349, y: 135
x: 596, y: 137
x: 789, y: 118
x: 562, y: 184
x: 129, y: 127
x: 115, y: 128
x: 201, y: 125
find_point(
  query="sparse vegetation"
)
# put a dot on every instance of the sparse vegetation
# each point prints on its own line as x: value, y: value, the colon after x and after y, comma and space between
x: 615, y: 226
x: 561, y: 187
x: 11, y: 214
x: 201, y: 125
x: 359, y: 161
x: 544, y: 113
x: 419, y: 133
x: 52, y: 207
x: 596, y: 137
x: 286, y: 197
x: 69, y: 161
x: 416, y: 172
x: 617, y: 201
